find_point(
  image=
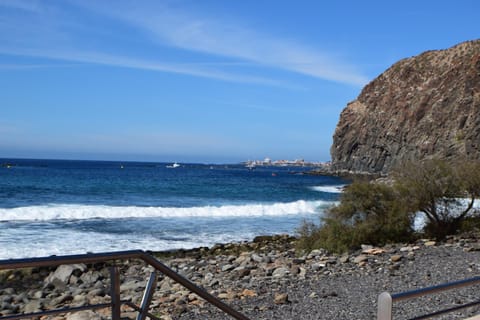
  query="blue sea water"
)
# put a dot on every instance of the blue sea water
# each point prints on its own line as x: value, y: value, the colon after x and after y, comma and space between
x: 66, y: 207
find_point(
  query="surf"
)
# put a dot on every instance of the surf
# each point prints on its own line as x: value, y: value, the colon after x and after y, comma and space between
x: 329, y: 189
x: 83, y: 212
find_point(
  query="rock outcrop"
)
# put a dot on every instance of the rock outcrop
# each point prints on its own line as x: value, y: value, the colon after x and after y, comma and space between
x: 422, y: 107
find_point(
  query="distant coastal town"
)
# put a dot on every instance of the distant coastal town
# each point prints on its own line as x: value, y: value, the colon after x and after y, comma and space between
x: 285, y: 163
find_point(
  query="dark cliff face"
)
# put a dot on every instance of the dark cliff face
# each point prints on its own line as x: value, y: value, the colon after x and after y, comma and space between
x: 421, y: 107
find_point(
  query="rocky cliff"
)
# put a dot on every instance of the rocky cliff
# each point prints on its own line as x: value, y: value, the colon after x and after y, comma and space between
x: 424, y: 106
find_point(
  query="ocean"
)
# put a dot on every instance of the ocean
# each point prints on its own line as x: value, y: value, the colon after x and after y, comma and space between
x: 58, y: 207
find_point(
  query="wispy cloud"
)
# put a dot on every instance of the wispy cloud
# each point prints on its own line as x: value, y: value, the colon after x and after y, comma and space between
x: 229, y: 45
x: 126, y: 62
x: 214, y: 36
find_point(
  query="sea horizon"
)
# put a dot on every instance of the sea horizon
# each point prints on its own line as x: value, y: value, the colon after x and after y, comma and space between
x: 76, y: 206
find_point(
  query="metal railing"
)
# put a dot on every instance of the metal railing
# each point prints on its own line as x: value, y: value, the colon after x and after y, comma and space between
x: 115, y: 302
x: 385, y: 300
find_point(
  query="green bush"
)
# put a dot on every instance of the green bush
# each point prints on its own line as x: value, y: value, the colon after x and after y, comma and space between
x: 368, y: 213
x: 332, y: 235
x: 378, y: 213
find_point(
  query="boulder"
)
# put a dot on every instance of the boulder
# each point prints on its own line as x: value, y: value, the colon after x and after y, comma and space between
x: 62, y: 274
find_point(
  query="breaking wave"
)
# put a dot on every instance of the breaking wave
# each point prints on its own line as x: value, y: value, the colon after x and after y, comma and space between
x: 329, y: 189
x: 81, y: 212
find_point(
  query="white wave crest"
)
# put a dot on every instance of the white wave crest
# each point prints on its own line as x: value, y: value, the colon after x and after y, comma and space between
x: 82, y: 212
x: 329, y: 189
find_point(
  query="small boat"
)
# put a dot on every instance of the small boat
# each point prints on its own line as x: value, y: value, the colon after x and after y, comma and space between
x: 173, y: 166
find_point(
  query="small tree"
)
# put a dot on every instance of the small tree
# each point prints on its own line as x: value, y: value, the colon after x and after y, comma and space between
x: 444, y: 192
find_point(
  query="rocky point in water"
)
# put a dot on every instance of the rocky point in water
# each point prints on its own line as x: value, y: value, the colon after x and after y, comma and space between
x: 421, y: 107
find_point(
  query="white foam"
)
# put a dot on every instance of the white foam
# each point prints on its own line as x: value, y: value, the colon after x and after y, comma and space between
x: 81, y: 212
x: 329, y: 189
x: 41, y: 243
x: 420, y: 219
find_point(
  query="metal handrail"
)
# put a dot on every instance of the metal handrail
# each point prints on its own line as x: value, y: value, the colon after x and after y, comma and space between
x: 115, y: 295
x: 385, y: 299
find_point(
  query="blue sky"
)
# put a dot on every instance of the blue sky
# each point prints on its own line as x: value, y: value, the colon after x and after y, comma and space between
x: 203, y: 81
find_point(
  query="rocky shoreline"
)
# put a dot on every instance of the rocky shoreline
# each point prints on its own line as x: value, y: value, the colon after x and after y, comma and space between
x: 263, y: 279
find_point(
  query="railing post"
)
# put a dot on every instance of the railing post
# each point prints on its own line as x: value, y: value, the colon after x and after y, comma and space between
x: 147, y: 296
x: 384, y: 311
x: 115, y: 292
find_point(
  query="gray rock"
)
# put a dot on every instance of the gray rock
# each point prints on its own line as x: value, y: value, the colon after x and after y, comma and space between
x: 208, y: 277
x: 228, y: 267
x: 345, y: 258
x: 242, y: 272
x: 20, y: 298
x: 79, y: 300
x: 132, y: 285
x: 59, y: 301
x: 38, y: 294
x: 97, y: 292
x: 33, y: 306
x: 99, y: 285
x: 63, y: 273
x: 6, y: 312
x: 73, y: 280
x: 84, y: 315
x: 8, y: 291
x: 361, y: 258
x: 280, y: 272
x: 255, y: 257
x: 5, y: 306
x: 90, y: 277
x: 318, y: 266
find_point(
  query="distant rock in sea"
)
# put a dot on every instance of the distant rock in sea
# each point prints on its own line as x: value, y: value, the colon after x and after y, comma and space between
x: 421, y: 107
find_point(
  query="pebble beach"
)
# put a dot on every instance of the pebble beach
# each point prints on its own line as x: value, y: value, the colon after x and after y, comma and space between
x: 263, y: 279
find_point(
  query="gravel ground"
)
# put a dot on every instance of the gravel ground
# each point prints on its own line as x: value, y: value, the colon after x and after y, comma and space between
x: 263, y: 279
x: 352, y: 292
